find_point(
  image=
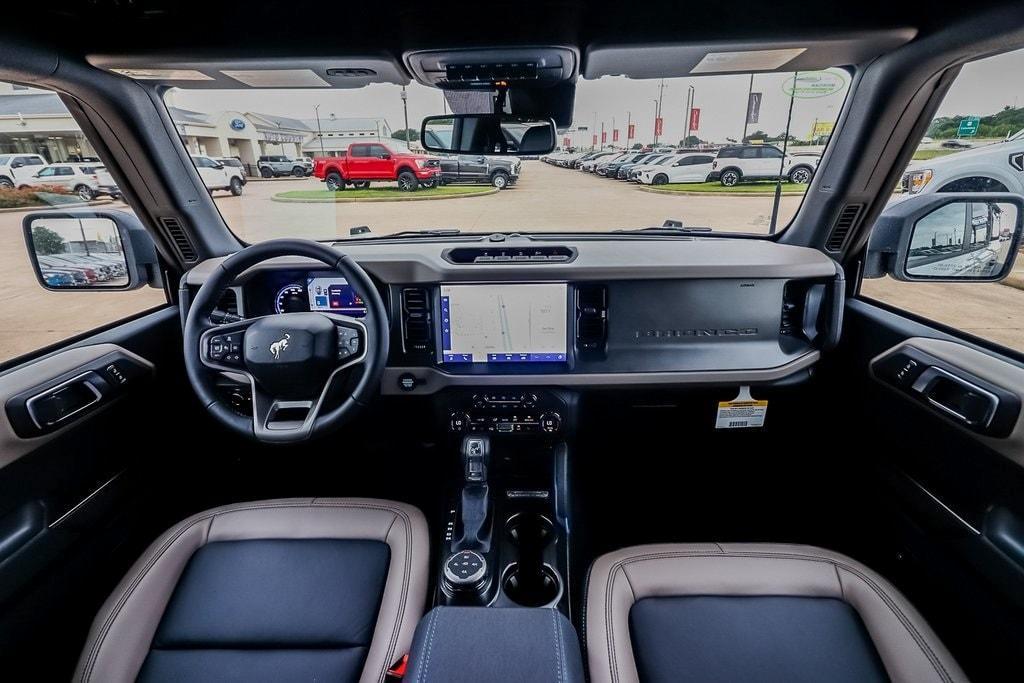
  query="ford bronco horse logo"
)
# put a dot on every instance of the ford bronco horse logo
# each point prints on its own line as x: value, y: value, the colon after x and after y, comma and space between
x: 280, y: 345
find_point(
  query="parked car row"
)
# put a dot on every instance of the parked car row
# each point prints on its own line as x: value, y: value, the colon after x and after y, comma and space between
x: 729, y: 165
x: 88, y: 180
x: 82, y: 270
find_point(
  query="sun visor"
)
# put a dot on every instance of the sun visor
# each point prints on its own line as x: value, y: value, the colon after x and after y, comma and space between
x: 678, y: 60
x: 212, y: 72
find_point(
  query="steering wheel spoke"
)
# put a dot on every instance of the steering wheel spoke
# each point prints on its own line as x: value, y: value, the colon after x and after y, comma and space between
x: 222, y: 347
x: 352, y: 340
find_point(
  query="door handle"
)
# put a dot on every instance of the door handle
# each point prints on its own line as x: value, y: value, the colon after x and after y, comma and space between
x: 958, y: 398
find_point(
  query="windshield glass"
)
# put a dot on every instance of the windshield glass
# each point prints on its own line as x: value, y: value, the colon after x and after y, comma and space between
x: 731, y: 153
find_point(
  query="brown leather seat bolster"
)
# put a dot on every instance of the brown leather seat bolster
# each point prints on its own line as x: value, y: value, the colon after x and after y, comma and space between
x: 121, y: 634
x: 908, y: 648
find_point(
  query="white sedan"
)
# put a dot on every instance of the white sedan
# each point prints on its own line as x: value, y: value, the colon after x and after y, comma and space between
x: 687, y: 168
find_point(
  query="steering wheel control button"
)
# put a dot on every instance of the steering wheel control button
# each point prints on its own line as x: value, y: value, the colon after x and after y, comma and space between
x: 226, y: 348
x: 348, y: 342
x: 465, y: 569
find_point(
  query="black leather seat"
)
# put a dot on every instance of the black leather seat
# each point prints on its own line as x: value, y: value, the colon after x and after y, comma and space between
x: 281, y: 590
x: 753, y: 612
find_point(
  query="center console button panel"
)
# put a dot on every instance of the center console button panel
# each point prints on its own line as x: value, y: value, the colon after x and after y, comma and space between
x: 506, y: 412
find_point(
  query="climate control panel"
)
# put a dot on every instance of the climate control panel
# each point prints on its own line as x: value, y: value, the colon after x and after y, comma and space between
x: 506, y: 412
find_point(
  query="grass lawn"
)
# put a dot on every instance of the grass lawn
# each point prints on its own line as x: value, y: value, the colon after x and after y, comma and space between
x: 384, y: 193
x: 925, y: 154
x: 742, y: 188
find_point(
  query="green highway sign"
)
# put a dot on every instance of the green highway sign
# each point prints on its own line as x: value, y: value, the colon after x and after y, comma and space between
x: 968, y: 127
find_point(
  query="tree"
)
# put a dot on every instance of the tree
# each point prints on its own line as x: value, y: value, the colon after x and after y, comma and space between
x: 46, y: 241
x: 407, y: 135
x: 637, y: 145
x: 756, y: 135
x: 690, y: 141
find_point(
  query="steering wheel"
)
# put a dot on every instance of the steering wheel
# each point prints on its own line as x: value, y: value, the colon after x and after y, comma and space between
x: 291, y: 360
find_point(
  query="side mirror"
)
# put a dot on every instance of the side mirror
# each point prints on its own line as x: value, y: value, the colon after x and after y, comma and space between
x: 954, y: 237
x: 17, y: 164
x: 218, y: 165
x: 385, y: 156
x: 487, y: 134
x: 87, y: 250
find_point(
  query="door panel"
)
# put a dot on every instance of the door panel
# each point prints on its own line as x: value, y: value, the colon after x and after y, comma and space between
x: 950, y: 496
x: 78, y: 502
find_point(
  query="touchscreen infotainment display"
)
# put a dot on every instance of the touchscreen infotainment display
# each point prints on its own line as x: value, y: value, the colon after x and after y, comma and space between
x: 504, y: 323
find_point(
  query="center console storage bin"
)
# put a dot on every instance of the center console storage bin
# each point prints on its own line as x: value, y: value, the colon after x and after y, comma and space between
x: 495, y: 644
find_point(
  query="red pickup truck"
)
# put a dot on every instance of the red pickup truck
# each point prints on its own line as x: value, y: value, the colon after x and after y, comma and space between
x: 366, y: 162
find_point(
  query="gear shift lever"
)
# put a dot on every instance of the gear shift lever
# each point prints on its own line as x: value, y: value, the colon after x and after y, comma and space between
x: 474, y: 511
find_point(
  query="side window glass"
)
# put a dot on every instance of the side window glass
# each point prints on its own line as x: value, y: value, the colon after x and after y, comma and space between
x: 33, y: 318
x: 974, y: 143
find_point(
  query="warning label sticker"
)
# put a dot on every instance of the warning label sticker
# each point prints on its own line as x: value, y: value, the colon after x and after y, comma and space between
x: 741, y: 412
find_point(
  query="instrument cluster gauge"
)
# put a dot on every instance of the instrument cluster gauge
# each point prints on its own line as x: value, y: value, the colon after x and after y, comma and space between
x: 291, y: 299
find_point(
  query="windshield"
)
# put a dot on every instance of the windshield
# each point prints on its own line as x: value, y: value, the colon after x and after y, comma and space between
x: 731, y: 153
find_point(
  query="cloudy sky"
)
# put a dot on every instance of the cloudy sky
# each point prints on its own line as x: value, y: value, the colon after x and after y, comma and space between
x: 984, y: 87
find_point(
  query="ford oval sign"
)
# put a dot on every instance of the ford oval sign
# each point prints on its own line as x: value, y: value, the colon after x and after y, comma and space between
x: 237, y: 124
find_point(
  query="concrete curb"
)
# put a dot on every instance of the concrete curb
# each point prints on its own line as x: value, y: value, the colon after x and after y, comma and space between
x: 688, y: 193
x: 57, y: 207
x: 411, y: 198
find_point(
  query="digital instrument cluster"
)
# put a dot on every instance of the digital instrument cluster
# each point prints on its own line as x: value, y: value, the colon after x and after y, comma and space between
x: 323, y: 292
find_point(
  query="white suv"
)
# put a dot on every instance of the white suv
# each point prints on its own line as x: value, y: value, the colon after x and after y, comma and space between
x: 217, y: 176
x: 87, y: 180
x: 684, y: 168
x: 737, y: 163
x: 998, y: 167
x: 17, y: 167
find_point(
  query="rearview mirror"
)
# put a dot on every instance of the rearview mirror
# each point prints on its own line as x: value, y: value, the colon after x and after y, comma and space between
x: 955, y: 237
x: 86, y: 250
x: 487, y: 134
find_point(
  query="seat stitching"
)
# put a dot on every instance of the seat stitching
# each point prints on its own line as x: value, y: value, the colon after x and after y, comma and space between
x: 430, y: 645
x: 406, y: 576
x: 901, y: 617
x: 610, y: 632
x: 558, y: 646
x: 174, y: 535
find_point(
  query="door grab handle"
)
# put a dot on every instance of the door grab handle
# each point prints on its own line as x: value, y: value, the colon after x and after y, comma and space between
x: 62, y: 413
x: 930, y: 382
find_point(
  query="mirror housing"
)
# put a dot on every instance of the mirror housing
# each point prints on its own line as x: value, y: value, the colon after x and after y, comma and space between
x: 90, y: 251
x: 491, y: 134
x: 947, y: 237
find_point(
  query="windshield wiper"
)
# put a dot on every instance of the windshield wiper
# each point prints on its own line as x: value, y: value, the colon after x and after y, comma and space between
x: 437, y: 232
x: 665, y: 230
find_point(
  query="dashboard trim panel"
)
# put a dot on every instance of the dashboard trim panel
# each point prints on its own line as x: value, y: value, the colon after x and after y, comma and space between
x: 432, y: 380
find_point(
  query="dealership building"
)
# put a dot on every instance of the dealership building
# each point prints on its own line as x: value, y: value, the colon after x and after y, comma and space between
x: 35, y: 121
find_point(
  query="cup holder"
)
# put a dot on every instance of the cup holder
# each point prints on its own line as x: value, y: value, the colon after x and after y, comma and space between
x: 530, y: 530
x: 532, y: 586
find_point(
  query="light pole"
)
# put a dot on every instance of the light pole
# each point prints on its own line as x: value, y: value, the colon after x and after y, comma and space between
x: 629, y: 122
x: 405, y: 113
x: 319, y: 132
x: 602, y: 135
x: 656, y: 113
x: 782, y: 162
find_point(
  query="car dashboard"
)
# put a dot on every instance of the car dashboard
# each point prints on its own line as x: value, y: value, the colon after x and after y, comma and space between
x: 507, y: 311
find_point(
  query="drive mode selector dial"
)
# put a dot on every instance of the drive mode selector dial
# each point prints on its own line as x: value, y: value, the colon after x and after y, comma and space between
x: 465, y: 569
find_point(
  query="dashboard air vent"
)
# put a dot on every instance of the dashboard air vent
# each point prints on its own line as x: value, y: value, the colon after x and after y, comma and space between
x: 844, y: 225
x: 503, y: 255
x: 181, y: 241
x: 416, y: 319
x: 591, y: 319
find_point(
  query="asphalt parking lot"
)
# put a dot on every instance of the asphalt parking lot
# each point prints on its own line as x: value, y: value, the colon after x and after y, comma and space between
x: 546, y: 198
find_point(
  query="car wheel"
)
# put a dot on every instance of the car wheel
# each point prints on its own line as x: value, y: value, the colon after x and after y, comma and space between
x: 334, y: 182
x: 266, y: 173
x: 974, y: 184
x: 729, y: 178
x: 801, y: 175
x: 298, y: 172
x: 500, y: 180
x: 84, y: 193
x: 407, y: 181
x: 659, y: 179
x: 6, y: 184
x: 236, y: 187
